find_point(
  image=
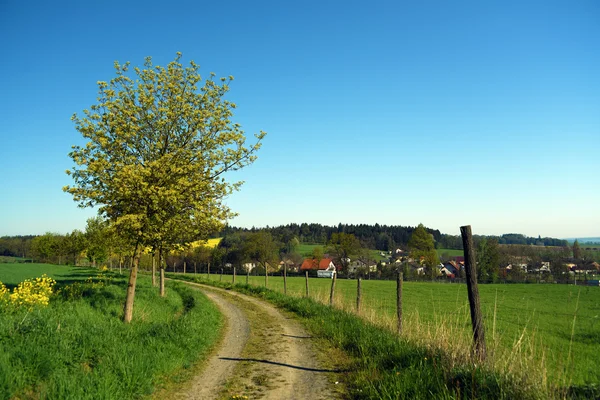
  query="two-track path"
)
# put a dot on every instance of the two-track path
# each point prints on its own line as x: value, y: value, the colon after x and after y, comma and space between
x: 264, y: 354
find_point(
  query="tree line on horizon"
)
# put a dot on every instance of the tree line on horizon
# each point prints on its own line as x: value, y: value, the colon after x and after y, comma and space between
x: 387, y: 237
x: 378, y: 237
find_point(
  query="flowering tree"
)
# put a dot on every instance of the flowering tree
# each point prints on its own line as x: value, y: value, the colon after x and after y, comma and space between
x: 157, y: 153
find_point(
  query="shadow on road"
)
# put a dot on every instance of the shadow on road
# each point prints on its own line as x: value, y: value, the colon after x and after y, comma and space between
x: 283, y: 365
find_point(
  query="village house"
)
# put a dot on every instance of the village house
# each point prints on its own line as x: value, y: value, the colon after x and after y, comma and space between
x: 325, y: 268
x: 371, y: 266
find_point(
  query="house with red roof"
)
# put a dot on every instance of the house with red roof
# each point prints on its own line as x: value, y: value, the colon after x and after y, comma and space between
x: 325, y: 268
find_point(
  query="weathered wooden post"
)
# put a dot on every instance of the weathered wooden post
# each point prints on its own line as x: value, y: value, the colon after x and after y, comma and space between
x: 358, y: 294
x: 184, y: 266
x: 399, y: 281
x: 195, y: 270
x: 332, y: 291
x: 284, y: 278
x: 473, y: 293
x: 306, y: 280
x: 233, y: 277
x: 208, y: 272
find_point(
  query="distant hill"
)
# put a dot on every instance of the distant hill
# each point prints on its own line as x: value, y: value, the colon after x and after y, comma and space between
x: 595, y: 240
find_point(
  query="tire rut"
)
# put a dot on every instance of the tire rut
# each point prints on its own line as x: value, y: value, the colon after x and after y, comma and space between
x: 264, y: 354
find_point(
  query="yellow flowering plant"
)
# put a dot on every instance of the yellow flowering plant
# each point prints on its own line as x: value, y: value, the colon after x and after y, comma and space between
x: 4, y: 292
x: 31, y: 292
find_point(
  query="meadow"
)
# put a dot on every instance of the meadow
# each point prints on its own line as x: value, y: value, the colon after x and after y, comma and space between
x: 78, y: 348
x: 551, y: 332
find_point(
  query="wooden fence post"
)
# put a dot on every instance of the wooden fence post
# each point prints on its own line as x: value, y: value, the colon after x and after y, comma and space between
x: 358, y: 294
x: 473, y: 292
x: 233, y: 277
x: 195, y: 270
x: 221, y: 276
x: 399, y: 281
x: 306, y: 280
x: 332, y: 291
x: 208, y: 272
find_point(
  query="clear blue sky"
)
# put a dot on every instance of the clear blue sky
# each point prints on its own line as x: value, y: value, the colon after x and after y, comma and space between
x: 446, y: 113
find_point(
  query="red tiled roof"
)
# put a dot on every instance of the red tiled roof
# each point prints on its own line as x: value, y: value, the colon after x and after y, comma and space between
x: 310, y: 263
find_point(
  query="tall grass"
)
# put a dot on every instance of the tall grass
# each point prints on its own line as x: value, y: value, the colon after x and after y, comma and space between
x: 385, y: 366
x: 529, y: 328
x: 78, y: 348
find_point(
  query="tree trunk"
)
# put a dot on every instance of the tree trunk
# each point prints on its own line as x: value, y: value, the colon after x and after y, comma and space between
x: 120, y: 265
x: 266, y: 275
x: 358, y: 294
x: 332, y: 291
x: 247, y: 275
x: 195, y: 271
x: 208, y: 272
x: 184, y: 266
x: 233, y: 277
x: 221, y: 275
x: 162, y: 282
x: 479, y: 350
x: 306, y: 281
x: 399, y: 280
x: 128, y: 309
x: 161, y: 263
x: 153, y: 270
x: 284, y: 278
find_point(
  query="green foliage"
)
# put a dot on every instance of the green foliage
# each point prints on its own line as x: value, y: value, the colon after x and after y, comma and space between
x: 343, y: 246
x: 576, y: 250
x: 77, y: 349
x: 158, y: 148
x: 261, y: 248
x: 422, y: 248
x: 317, y: 253
x: 97, y: 236
x: 488, y: 260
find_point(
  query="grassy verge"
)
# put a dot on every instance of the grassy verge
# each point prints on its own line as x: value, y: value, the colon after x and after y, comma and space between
x: 548, y: 332
x: 387, y: 367
x: 78, y: 348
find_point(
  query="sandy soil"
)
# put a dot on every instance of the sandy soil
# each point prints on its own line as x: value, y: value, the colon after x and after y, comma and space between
x: 264, y: 354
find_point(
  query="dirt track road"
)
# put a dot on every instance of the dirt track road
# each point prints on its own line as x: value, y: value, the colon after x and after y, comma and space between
x: 264, y: 354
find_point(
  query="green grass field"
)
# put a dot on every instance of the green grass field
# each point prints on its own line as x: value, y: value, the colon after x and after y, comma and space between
x: 306, y: 249
x: 78, y: 348
x: 12, y: 274
x: 450, y: 252
x: 556, y: 328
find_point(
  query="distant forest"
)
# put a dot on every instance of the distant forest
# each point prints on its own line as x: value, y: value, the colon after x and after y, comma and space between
x: 386, y: 237
x: 380, y: 237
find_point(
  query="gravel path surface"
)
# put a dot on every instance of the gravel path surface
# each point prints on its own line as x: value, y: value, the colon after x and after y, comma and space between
x: 264, y: 354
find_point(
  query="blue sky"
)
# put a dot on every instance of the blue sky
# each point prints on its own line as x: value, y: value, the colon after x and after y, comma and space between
x: 442, y: 113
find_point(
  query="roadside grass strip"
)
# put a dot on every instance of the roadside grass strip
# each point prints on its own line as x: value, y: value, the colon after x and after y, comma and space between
x: 77, y: 347
x: 385, y: 366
